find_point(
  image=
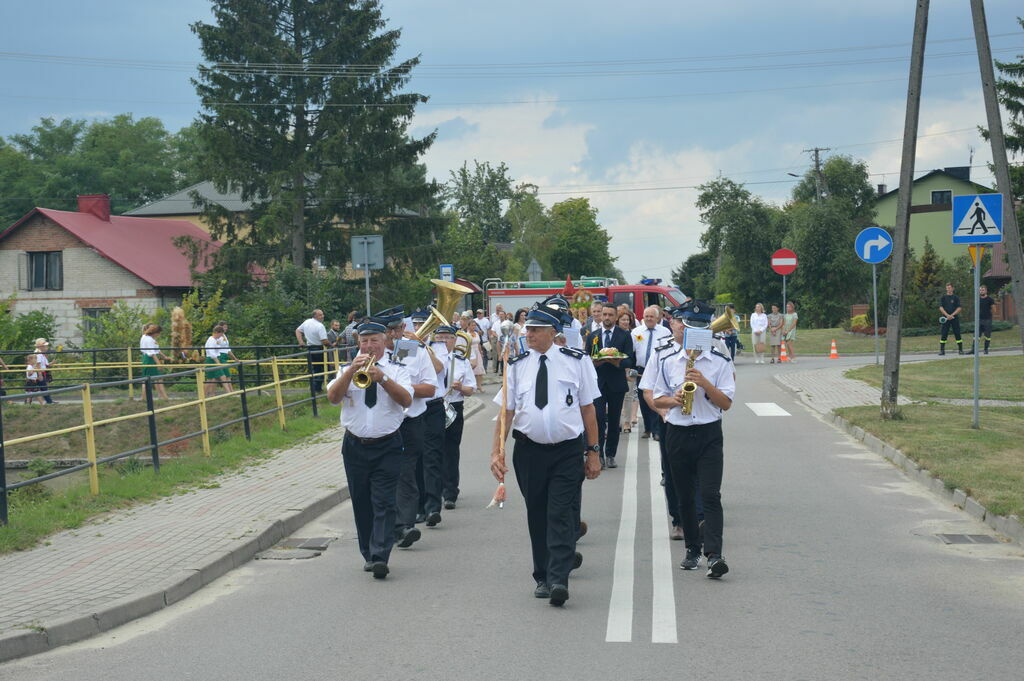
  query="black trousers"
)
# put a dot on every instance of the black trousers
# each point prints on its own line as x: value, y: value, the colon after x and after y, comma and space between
x: 695, y: 456
x: 670, y: 489
x: 407, y: 494
x: 431, y: 467
x: 550, y: 478
x: 316, y: 359
x: 450, y: 468
x: 372, y: 471
x: 985, y: 329
x: 652, y: 421
x: 609, y: 413
x: 946, y: 326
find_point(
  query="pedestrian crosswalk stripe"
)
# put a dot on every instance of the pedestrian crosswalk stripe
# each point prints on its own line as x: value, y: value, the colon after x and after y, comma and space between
x: 767, y: 409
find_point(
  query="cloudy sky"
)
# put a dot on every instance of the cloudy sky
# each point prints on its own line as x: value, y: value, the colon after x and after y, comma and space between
x: 630, y: 104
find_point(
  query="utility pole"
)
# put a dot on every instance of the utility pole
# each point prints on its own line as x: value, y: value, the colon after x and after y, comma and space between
x: 898, y: 272
x: 1011, y: 230
x: 819, y: 177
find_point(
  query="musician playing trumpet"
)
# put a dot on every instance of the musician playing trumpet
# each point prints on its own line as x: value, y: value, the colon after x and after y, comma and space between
x: 693, y: 441
x: 457, y: 382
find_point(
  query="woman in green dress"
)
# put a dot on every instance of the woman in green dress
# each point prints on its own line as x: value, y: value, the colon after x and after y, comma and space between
x: 152, y: 356
x: 789, y: 329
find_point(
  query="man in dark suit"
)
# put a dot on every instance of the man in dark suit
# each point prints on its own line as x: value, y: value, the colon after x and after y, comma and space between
x: 611, y: 379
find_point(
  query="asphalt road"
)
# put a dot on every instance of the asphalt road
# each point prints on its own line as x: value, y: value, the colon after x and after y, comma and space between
x: 836, y: 574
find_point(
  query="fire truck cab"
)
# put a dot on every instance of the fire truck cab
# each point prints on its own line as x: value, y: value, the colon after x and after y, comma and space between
x: 512, y: 295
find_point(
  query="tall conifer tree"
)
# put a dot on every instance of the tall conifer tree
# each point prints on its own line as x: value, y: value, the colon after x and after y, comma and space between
x: 304, y: 113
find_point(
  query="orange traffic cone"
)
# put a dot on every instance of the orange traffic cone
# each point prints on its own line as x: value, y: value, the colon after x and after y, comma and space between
x: 833, y: 354
x: 783, y: 357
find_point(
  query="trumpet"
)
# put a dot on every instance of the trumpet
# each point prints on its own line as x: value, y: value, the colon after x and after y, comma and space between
x: 361, y: 378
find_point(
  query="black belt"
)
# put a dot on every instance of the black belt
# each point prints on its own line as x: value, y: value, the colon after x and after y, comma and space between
x: 523, y: 437
x: 434, y: 402
x: 370, y: 440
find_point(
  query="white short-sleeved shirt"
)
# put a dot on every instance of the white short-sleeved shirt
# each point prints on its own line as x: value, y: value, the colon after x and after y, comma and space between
x: 383, y: 418
x: 464, y: 373
x: 644, y: 337
x: 421, y: 370
x: 225, y: 344
x: 484, y: 323
x: 149, y: 346
x: 212, y: 346
x: 667, y: 347
x: 758, y: 322
x: 313, y: 331
x: 572, y: 383
x: 671, y: 376
x: 44, y: 362
x: 30, y: 373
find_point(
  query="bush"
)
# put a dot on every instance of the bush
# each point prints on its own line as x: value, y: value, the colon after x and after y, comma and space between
x: 18, y: 332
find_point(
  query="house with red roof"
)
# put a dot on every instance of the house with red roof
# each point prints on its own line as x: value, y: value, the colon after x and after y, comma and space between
x: 77, y: 265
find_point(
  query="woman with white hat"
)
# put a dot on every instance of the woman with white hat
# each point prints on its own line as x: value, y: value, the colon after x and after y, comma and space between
x: 43, y: 363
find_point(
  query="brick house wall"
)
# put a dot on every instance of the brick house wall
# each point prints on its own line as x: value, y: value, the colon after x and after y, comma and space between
x: 89, y: 280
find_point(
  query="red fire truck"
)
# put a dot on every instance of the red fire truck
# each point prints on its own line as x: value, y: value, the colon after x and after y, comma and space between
x: 512, y: 295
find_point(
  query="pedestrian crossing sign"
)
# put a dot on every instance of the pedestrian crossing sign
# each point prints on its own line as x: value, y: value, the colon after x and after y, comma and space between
x: 978, y: 219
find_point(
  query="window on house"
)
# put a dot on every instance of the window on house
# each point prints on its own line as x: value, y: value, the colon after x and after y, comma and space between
x: 944, y: 196
x: 45, y: 271
x: 91, y: 318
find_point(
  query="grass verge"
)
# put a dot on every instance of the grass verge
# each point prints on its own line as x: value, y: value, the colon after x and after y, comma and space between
x: 34, y: 514
x: 1002, y: 378
x: 819, y: 341
x: 985, y: 463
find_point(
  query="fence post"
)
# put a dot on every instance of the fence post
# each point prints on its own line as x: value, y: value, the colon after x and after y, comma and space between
x: 201, y: 396
x: 90, y: 439
x: 245, y: 401
x: 153, y: 440
x: 131, y: 386
x: 94, y: 366
x: 259, y: 372
x: 311, y: 368
x: 277, y: 392
x: 3, y: 470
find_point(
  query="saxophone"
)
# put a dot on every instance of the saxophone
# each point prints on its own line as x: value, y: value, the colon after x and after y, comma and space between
x: 689, y: 388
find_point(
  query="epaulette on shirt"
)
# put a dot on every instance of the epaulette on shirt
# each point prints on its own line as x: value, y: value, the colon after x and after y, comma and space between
x: 666, y: 346
x: 665, y: 356
x: 575, y: 353
x: 513, y: 360
x: 716, y: 352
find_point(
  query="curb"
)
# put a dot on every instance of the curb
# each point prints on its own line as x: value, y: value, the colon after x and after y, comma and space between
x: 1008, y: 526
x: 60, y: 632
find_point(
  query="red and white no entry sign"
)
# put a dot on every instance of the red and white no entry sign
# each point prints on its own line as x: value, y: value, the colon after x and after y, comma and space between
x: 784, y: 261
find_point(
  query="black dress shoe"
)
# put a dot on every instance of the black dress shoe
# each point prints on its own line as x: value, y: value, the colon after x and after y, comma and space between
x: 611, y: 462
x: 410, y: 536
x: 380, y: 570
x: 368, y: 566
x: 420, y: 518
x: 449, y: 504
x: 559, y: 594
x: 577, y: 561
x: 583, y: 529
x: 542, y: 591
x: 433, y: 519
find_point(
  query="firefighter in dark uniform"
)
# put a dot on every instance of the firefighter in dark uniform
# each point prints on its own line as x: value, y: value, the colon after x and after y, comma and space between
x: 693, y: 442
x: 372, y: 447
x: 550, y: 411
x: 949, y: 307
x: 984, y: 330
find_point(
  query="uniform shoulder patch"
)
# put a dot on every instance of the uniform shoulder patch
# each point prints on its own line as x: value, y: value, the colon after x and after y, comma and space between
x: 714, y: 351
x: 513, y: 360
x: 669, y: 354
x: 663, y: 346
x: 575, y: 353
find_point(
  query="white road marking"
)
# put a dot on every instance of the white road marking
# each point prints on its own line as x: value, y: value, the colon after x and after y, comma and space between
x: 663, y: 615
x: 620, y: 608
x: 767, y: 409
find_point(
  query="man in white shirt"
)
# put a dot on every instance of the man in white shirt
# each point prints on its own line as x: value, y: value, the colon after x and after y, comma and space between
x: 484, y: 324
x: 313, y: 334
x: 457, y: 381
x: 646, y: 337
x: 372, y: 448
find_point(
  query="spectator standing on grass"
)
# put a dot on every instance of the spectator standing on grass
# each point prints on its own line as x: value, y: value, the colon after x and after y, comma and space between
x: 950, y: 309
x: 789, y: 321
x: 758, y: 332
x: 214, y: 376
x: 984, y: 330
x: 775, y: 321
x: 313, y: 335
x: 32, y: 376
x: 152, y: 356
x: 43, y: 381
x: 226, y: 355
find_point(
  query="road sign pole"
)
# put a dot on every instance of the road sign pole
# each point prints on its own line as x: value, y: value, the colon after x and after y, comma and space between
x: 783, y: 294
x: 366, y: 268
x: 874, y: 307
x: 977, y: 350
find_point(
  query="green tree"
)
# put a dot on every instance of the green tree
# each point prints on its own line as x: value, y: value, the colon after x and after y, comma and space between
x: 696, y: 276
x: 532, y: 232
x: 581, y: 244
x: 477, y: 195
x: 926, y: 287
x: 844, y: 178
x: 304, y: 111
x: 19, y: 331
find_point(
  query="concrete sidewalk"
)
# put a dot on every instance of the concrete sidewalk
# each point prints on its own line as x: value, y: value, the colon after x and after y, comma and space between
x: 134, y: 562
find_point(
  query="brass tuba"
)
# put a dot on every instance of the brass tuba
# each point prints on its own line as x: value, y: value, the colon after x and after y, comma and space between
x: 727, y: 320
x: 361, y: 379
x: 448, y: 295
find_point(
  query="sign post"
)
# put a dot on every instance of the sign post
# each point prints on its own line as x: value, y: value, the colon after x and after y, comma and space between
x: 972, y: 213
x: 873, y: 245
x: 784, y: 263
x: 447, y: 273
x: 368, y: 254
